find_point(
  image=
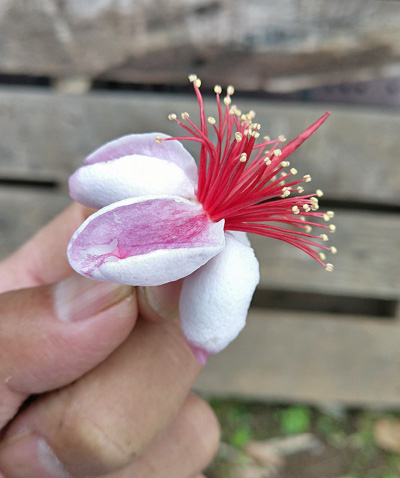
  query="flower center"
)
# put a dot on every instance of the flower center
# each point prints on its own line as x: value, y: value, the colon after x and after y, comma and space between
x: 248, y: 184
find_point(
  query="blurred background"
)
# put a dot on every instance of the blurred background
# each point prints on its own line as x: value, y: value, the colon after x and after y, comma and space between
x: 312, y: 386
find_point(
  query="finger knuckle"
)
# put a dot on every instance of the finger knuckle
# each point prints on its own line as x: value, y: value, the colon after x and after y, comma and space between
x: 96, y: 445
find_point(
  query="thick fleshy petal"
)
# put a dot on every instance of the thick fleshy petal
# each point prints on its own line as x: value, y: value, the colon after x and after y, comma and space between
x: 215, y: 299
x: 240, y: 236
x: 145, y: 241
x: 146, y: 145
x: 103, y: 183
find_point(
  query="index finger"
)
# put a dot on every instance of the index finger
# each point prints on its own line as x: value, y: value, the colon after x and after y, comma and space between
x: 43, y: 259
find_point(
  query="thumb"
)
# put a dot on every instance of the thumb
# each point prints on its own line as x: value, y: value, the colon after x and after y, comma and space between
x: 52, y: 335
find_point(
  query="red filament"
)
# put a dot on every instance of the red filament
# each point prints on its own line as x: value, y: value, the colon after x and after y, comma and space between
x: 245, y: 184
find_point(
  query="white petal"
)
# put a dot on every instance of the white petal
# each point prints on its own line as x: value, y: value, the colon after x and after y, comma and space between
x: 145, y: 241
x: 99, y: 184
x: 240, y: 236
x: 145, y: 144
x: 155, y: 268
x: 215, y: 299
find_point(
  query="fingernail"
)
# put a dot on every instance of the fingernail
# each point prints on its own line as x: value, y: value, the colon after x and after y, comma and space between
x: 29, y: 456
x: 160, y: 302
x: 78, y: 298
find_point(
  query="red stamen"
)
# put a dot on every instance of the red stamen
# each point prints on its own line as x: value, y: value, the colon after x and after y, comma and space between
x: 246, y: 191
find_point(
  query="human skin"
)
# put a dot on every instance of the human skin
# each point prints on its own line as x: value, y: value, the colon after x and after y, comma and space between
x: 103, y: 378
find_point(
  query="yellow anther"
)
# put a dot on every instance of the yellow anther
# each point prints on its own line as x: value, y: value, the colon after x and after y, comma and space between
x: 307, y: 178
x: 286, y: 193
x: 319, y: 193
x: 158, y: 139
x: 238, y: 136
x: 306, y: 207
x: 326, y: 217
x: 267, y: 161
x: 332, y: 227
x: 313, y: 200
x: 293, y: 171
x: 255, y: 134
x: 284, y: 164
x: 324, y: 237
x: 267, y: 138
x: 211, y: 120
x: 227, y: 100
x: 300, y: 189
x: 308, y: 229
x: 276, y: 152
x: 185, y: 115
x: 295, y: 210
x: 230, y: 90
x: 329, y: 267
x: 197, y: 83
x: 282, y: 138
x: 251, y: 114
x: 172, y: 117
x: 333, y: 250
x: 192, y: 78
x: 243, y: 158
x: 217, y: 89
x: 238, y: 112
x: 322, y: 256
x: 330, y: 214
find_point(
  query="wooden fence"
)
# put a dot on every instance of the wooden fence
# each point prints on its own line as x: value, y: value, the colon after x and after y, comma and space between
x: 311, y: 335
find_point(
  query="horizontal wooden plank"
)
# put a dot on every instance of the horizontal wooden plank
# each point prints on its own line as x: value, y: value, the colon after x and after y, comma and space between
x: 252, y: 42
x: 305, y: 358
x: 367, y: 264
x: 46, y: 135
x: 23, y: 212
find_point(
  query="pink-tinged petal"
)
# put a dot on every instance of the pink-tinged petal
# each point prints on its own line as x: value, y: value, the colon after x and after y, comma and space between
x: 103, y: 183
x: 146, y: 145
x: 200, y: 355
x: 145, y: 241
x: 215, y: 299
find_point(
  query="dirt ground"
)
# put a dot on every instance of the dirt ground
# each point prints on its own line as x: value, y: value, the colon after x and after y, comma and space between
x: 273, y: 441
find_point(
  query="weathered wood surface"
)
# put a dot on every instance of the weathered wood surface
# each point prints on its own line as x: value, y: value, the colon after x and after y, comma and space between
x: 23, y: 211
x: 45, y: 135
x: 276, y: 45
x: 292, y: 356
x: 367, y: 264
x: 315, y: 356
x: 310, y: 358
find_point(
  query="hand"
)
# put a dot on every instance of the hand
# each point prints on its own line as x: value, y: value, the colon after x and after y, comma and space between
x: 88, y: 385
